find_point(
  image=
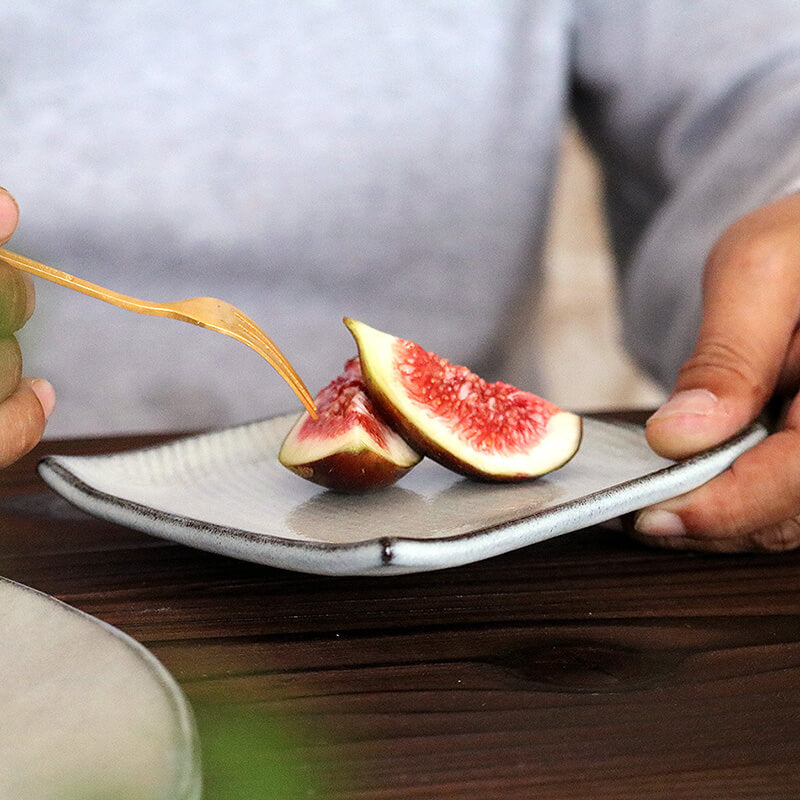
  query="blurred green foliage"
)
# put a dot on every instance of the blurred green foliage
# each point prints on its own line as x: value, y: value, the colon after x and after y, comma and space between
x: 248, y: 754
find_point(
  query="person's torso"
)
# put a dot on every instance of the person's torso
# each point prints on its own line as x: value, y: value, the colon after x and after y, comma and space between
x: 386, y: 161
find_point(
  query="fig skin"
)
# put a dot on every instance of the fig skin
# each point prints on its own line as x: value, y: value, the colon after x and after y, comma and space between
x: 423, y: 428
x: 348, y: 447
x: 353, y: 472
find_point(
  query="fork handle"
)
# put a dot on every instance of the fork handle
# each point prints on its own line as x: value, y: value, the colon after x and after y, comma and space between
x: 78, y: 284
x: 173, y: 310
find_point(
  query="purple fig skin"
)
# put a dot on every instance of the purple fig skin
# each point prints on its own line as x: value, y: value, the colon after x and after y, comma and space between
x: 420, y: 439
x: 351, y: 472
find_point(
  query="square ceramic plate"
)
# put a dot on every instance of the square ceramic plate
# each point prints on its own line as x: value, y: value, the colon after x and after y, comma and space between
x: 226, y: 492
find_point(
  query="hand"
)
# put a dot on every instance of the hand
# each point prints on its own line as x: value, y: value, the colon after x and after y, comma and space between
x: 25, y: 403
x: 748, y: 351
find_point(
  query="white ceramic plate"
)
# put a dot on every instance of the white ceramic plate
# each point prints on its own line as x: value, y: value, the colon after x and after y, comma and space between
x: 226, y: 492
x: 87, y: 712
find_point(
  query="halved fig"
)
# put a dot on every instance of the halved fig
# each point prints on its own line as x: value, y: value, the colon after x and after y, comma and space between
x: 491, y: 431
x: 348, y: 447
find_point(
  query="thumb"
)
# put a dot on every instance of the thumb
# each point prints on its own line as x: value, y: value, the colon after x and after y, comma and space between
x: 751, y: 296
x: 695, y: 419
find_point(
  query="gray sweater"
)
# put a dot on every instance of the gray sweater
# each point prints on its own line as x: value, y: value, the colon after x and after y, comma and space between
x: 389, y: 160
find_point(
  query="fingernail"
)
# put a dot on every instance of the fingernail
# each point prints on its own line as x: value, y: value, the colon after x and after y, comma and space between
x: 698, y: 402
x: 46, y: 394
x: 657, y: 522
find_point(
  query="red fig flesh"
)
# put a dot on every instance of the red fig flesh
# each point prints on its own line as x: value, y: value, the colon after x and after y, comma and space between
x: 348, y: 447
x: 491, y: 431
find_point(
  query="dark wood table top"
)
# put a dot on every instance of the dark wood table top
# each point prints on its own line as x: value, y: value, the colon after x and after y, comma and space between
x: 588, y: 666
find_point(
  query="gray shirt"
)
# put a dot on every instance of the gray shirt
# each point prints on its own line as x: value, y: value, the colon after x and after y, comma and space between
x: 389, y: 161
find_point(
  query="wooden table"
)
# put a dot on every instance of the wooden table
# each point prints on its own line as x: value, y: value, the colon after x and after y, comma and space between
x: 584, y: 667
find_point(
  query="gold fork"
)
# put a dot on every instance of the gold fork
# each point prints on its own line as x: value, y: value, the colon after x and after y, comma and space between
x: 207, y: 312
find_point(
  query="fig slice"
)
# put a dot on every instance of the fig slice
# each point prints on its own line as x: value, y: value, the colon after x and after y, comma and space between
x: 490, y: 431
x: 348, y: 447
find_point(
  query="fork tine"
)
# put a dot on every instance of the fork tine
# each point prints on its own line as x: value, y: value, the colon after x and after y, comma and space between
x: 286, y: 372
x: 205, y: 311
x: 255, y: 330
x: 258, y: 335
x: 256, y: 339
x: 195, y: 310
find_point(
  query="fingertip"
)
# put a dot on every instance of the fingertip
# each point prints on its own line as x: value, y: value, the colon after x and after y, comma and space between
x: 659, y: 522
x: 662, y: 527
x: 22, y: 420
x: 691, y: 421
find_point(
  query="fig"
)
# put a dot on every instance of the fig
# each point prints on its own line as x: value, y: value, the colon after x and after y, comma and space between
x: 349, y: 447
x: 490, y: 431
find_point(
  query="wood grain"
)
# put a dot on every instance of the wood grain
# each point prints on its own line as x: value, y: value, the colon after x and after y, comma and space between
x: 584, y: 667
